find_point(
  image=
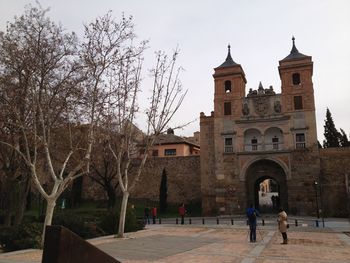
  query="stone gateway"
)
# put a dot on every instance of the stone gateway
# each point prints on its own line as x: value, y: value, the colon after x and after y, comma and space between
x: 262, y: 147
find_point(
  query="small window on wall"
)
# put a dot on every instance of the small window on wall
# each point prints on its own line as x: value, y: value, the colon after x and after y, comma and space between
x: 300, y: 141
x: 275, y: 143
x: 170, y: 152
x: 227, y: 108
x: 254, y: 144
x: 298, y: 102
x: 227, y: 86
x: 296, y: 79
x: 228, y: 145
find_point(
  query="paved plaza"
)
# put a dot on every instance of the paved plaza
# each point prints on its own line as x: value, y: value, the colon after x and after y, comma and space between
x: 218, y: 243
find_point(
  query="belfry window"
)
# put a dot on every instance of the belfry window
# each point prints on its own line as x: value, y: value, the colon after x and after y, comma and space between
x: 227, y: 108
x: 227, y: 86
x: 296, y: 79
x: 298, y: 102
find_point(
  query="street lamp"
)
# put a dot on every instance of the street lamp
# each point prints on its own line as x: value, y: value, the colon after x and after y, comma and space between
x: 317, y: 211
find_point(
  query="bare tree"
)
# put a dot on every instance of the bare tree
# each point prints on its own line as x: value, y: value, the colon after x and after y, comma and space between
x: 14, y: 179
x: 40, y: 98
x: 166, y: 98
x: 103, y: 170
x: 111, y: 57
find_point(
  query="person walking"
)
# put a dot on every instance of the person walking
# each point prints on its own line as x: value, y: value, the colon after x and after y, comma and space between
x: 252, y: 214
x: 146, y: 215
x: 283, y: 225
x: 182, y: 213
x: 154, y: 214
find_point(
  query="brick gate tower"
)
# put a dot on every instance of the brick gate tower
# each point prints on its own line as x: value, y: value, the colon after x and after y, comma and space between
x: 259, y: 137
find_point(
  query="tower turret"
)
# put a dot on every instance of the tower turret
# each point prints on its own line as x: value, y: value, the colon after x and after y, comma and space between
x: 230, y: 82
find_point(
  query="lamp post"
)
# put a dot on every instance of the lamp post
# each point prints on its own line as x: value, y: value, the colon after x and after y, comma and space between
x: 317, y: 211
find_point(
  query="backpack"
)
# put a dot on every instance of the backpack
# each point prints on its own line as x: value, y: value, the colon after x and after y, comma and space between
x: 251, y: 215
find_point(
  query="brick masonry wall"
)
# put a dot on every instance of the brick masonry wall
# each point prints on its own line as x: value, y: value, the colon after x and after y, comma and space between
x: 305, y: 170
x: 328, y: 166
x: 335, y: 164
x: 183, y: 178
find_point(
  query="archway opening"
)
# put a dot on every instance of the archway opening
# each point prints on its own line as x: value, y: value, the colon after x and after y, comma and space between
x: 268, y: 195
x: 264, y: 179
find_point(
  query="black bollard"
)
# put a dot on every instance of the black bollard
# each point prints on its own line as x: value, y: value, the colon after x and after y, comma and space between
x: 190, y: 221
x: 263, y: 222
x: 203, y: 221
x: 217, y: 220
x: 296, y: 222
x: 231, y: 221
x: 316, y: 223
x: 160, y: 220
x: 177, y: 221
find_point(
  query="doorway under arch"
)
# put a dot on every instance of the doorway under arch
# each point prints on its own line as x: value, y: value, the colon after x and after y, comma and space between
x: 257, y: 174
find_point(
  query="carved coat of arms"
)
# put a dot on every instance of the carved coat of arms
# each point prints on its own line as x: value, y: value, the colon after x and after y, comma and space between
x: 261, y: 105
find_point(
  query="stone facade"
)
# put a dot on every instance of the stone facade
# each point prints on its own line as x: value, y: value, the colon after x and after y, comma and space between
x: 335, y: 181
x: 183, y: 179
x: 263, y: 135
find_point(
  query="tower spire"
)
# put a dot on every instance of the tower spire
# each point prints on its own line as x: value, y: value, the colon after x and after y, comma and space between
x: 294, y: 48
x: 294, y: 53
x: 229, y: 61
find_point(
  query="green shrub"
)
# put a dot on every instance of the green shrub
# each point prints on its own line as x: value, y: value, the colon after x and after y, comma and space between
x: 110, y: 222
x: 22, y: 236
x: 72, y: 221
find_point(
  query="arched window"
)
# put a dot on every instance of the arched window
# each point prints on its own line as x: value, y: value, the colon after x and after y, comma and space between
x: 252, y: 140
x: 296, y: 79
x: 227, y: 86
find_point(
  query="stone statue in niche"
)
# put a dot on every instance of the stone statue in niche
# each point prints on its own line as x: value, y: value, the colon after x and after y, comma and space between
x: 245, y: 109
x: 277, y: 106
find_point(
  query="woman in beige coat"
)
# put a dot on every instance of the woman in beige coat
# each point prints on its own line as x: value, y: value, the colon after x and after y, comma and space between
x: 282, y: 224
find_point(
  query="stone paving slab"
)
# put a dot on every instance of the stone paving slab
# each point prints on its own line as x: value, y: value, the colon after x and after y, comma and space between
x: 162, y: 243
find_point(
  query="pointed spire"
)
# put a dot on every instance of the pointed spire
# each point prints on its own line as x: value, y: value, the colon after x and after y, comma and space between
x: 294, y: 48
x: 229, y: 61
x: 260, y: 86
x: 294, y: 53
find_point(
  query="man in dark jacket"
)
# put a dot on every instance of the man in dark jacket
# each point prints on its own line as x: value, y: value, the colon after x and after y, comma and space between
x: 252, y: 214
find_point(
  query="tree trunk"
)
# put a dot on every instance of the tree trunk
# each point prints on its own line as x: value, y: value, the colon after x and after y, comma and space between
x: 7, y: 218
x: 111, y: 197
x: 51, y: 203
x: 123, y: 214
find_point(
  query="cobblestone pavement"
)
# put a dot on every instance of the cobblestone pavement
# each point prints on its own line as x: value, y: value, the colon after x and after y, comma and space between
x: 166, y: 243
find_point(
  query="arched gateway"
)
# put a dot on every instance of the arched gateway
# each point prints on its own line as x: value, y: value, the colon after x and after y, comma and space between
x: 256, y: 174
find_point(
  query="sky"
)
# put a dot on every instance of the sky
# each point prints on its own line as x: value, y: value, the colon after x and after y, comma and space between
x: 259, y: 33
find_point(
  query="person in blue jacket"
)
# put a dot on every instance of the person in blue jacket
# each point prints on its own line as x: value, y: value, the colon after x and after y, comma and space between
x: 252, y: 214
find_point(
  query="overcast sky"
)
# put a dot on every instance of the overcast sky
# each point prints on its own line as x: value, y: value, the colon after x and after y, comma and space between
x: 259, y: 32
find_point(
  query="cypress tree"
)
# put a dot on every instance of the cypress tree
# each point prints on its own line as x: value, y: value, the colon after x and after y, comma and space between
x: 331, y: 134
x: 163, y: 192
x: 344, y: 142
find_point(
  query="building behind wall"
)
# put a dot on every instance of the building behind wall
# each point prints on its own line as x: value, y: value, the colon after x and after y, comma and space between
x: 258, y: 136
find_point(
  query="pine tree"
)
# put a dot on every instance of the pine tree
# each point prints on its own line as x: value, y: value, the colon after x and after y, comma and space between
x: 163, y: 192
x: 344, y: 142
x: 331, y: 134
